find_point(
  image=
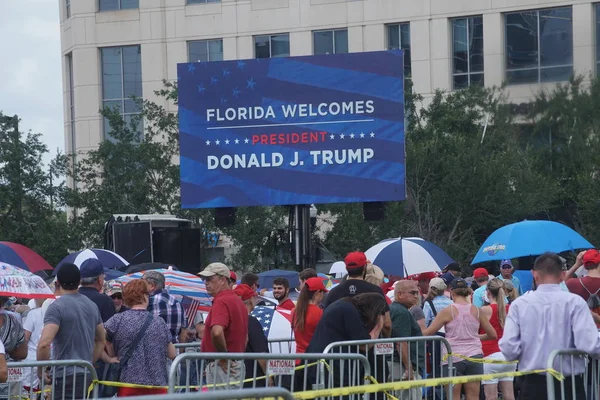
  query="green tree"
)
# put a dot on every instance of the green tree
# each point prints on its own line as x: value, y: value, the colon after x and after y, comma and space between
x: 29, y: 194
x: 565, y: 137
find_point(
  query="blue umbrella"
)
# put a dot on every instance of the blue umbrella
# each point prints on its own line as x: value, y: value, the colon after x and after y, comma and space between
x: 529, y: 238
x: 109, y: 260
x: 265, y: 279
x: 407, y: 256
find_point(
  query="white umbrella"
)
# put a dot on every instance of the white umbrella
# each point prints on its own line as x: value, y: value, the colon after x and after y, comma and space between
x: 338, y: 269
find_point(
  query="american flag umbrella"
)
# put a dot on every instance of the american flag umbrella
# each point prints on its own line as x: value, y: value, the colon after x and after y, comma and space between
x: 22, y: 257
x: 177, y: 283
x: 277, y: 325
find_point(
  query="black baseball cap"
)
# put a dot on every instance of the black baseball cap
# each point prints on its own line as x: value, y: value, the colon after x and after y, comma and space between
x: 452, y: 267
x: 68, y: 274
x: 458, y: 283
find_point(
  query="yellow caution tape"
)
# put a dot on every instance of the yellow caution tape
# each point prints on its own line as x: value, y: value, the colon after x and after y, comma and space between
x: 477, y: 360
x: 403, y: 385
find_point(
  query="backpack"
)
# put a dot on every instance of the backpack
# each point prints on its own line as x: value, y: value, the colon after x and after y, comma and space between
x: 593, y: 300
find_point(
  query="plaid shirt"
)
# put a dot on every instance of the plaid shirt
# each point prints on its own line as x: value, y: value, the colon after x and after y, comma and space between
x: 163, y: 305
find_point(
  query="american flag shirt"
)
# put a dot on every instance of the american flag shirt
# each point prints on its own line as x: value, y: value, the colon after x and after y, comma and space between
x: 163, y: 305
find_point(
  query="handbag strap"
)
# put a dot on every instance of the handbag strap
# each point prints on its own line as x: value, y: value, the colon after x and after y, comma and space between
x: 136, y: 341
x: 432, y: 307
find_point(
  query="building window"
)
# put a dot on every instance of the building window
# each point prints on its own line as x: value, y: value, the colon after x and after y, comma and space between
x: 121, y: 80
x: 330, y: 42
x: 539, y: 46
x: 398, y: 36
x: 68, y: 8
x: 112, y: 5
x: 270, y: 46
x: 73, y: 144
x: 467, y: 52
x: 205, y: 50
x: 202, y: 1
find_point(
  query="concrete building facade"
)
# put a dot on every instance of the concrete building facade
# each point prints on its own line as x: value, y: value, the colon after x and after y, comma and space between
x: 113, y: 49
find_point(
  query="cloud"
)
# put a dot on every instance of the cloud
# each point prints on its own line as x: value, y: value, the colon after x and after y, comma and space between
x: 30, y: 70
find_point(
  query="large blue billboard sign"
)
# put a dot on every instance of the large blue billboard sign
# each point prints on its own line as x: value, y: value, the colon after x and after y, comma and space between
x: 299, y: 130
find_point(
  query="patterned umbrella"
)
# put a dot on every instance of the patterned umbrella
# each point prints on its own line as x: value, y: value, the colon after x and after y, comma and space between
x: 109, y: 259
x: 17, y: 282
x: 177, y: 283
x: 22, y: 257
x: 407, y: 256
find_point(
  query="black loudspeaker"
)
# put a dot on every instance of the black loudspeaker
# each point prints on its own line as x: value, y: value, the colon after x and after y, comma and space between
x: 225, y: 217
x: 374, y: 211
x: 178, y: 246
x: 132, y: 240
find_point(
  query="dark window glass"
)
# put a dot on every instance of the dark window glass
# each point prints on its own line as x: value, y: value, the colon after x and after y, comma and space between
x: 112, y: 5
x: 539, y: 45
x: 323, y: 42
x: 121, y: 80
x: 272, y: 46
x: 340, y: 41
x: 205, y: 50
x: 467, y: 51
x: 399, y: 38
x: 280, y: 46
x: 68, y: 8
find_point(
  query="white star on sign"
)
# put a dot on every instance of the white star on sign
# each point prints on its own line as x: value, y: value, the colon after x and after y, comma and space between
x: 237, y: 141
x: 208, y: 142
x: 217, y: 141
x: 246, y: 141
x: 372, y: 134
x: 331, y: 137
x: 352, y: 136
x: 362, y: 135
x: 226, y: 141
x: 342, y: 136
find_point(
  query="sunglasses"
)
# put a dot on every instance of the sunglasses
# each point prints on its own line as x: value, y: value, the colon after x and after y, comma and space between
x: 117, y: 296
x: 506, y: 267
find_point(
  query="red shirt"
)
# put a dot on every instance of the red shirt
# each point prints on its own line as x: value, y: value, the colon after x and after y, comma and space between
x: 287, y: 305
x: 579, y: 286
x: 228, y: 311
x: 312, y: 318
x: 491, y: 346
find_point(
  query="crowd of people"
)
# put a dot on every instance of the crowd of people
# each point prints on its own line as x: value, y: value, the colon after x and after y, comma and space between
x: 129, y: 332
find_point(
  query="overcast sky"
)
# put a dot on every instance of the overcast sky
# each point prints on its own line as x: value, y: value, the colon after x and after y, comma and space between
x: 30, y: 67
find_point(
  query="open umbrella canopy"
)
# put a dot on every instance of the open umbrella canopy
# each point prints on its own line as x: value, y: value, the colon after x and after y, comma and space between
x: 177, y: 283
x: 131, y: 269
x: 17, y: 282
x: 109, y: 259
x: 407, y: 256
x: 265, y: 279
x: 22, y: 257
x: 338, y: 269
x: 530, y: 238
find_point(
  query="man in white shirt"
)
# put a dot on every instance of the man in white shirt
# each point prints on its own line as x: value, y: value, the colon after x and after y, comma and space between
x: 545, y: 320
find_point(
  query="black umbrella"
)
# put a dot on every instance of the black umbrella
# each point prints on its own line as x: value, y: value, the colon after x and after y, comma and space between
x: 131, y: 269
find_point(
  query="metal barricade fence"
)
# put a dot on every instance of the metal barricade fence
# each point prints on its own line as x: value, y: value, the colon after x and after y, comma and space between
x: 271, y: 393
x: 581, y: 374
x: 67, y: 379
x: 385, y: 358
x: 191, y: 346
x: 295, y: 372
x: 282, y: 346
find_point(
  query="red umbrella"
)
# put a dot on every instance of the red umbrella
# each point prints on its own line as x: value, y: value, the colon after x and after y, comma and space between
x: 22, y: 257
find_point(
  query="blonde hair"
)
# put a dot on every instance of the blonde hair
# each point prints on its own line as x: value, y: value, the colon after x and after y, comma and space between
x: 496, y: 289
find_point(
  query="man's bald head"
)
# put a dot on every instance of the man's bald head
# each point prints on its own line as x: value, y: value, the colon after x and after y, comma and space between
x: 405, y: 286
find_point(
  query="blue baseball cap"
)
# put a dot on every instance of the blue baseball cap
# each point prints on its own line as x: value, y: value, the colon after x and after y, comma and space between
x: 447, y: 277
x: 91, y: 268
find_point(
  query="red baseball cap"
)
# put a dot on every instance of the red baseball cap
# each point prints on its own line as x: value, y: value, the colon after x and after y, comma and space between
x: 245, y: 292
x: 315, y: 284
x: 355, y: 260
x: 591, y: 257
x: 480, y: 273
x: 423, y: 276
x: 232, y: 276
